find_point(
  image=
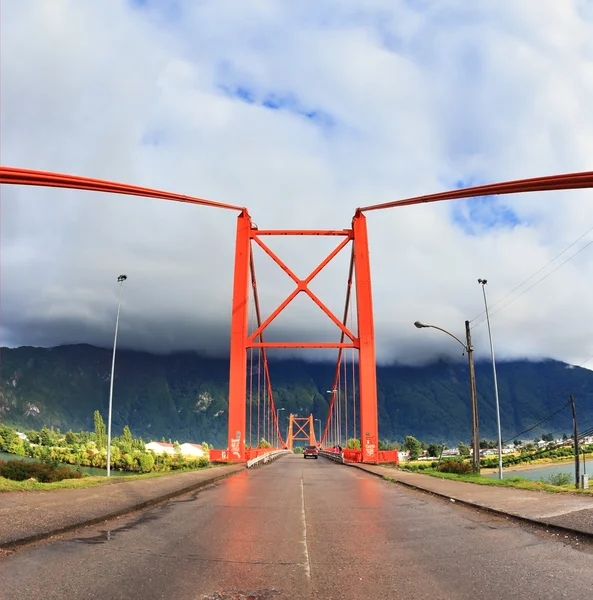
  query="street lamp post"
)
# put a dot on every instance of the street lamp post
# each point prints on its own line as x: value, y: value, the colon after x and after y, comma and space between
x: 121, y: 280
x: 319, y: 429
x: 335, y: 432
x: 278, y: 417
x: 483, y: 283
x: 467, y: 346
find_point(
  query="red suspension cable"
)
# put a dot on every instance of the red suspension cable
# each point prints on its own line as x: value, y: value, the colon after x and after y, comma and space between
x: 17, y: 176
x: 567, y: 181
x: 269, y: 412
x: 340, y: 350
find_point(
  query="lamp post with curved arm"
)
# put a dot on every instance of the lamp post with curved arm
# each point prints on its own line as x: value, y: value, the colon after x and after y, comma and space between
x: 467, y: 346
x: 278, y: 417
x: 483, y: 283
x: 120, y: 280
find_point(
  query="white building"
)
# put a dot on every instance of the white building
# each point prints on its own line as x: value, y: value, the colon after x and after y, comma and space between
x: 161, y: 448
x: 187, y: 449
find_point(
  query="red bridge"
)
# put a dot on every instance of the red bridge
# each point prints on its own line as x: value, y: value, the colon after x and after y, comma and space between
x: 253, y: 413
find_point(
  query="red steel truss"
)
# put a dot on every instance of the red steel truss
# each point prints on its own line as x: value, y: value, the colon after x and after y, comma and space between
x: 242, y: 339
x: 296, y: 431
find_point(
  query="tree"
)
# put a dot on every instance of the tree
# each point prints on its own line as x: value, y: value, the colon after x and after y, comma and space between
x: 126, y: 440
x: 434, y: 450
x: 517, y: 443
x: 146, y: 462
x: 71, y: 438
x: 47, y: 437
x: 463, y: 449
x: 548, y: 437
x: 100, y: 431
x: 353, y: 444
x: 412, y: 445
x: 32, y: 436
x: 138, y: 444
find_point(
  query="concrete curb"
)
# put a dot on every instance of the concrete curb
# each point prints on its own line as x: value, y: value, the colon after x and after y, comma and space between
x: 118, y: 513
x: 495, y: 511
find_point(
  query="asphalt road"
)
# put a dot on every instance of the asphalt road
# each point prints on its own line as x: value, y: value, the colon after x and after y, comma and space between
x: 303, y: 529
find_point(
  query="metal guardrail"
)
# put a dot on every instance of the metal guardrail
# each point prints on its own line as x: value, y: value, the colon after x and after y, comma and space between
x: 266, y: 458
x: 335, y: 456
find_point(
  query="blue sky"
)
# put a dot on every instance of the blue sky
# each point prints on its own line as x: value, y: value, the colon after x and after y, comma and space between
x: 301, y: 111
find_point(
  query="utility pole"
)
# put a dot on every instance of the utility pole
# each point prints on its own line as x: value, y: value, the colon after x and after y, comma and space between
x: 474, y: 401
x: 577, y: 470
x: 441, y: 456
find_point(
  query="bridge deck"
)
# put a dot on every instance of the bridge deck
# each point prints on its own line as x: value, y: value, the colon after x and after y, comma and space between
x: 303, y: 529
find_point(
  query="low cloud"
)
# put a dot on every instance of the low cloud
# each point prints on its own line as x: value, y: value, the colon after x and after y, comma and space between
x: 301, y: 115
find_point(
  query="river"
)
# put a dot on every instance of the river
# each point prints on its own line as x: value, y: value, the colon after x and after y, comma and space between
x: 89, y: 470
x: 544, y: 471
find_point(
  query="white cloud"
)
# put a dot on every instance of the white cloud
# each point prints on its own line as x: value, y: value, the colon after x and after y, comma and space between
x: 405, y: 98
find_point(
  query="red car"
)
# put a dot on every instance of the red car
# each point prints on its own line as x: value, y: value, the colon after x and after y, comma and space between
x: 311, y: 451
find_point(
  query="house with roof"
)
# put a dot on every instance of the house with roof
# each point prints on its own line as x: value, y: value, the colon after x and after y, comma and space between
x: 187, y: 449
x: 161, y: 448
x: 196, y: 450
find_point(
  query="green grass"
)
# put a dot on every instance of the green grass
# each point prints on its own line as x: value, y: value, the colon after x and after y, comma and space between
x: 8, y: 485
x: 514, y: 482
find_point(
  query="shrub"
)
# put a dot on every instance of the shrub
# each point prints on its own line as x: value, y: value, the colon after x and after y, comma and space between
x: 560, y: 479
x: 146, y: 462
x: 455, y: 466
x: 19, y: 470
x: 203, y: 462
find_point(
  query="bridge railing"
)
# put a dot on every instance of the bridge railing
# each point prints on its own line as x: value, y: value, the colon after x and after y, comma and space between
x: 335, y: 456
x: 355, y: 456
x: 266, y: 458
x: 223, y: 456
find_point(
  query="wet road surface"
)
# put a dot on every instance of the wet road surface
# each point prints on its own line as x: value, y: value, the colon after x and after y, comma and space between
x: 303, y: 529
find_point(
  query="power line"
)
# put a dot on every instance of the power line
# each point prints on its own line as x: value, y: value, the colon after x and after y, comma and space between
x: 587, y: 432
x: 537, y: 424
x: 533, y: 275
x: 538, y: 281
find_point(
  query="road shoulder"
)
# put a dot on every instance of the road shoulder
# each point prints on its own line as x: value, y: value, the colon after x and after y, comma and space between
x: 30, y: 516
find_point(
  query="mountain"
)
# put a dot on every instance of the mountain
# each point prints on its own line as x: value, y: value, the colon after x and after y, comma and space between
x: 183, y: 396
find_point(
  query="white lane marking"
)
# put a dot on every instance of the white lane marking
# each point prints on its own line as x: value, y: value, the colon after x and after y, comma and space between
x: 304, y: 520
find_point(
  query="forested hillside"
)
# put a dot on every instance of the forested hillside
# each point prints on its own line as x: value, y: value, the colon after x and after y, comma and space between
x: 184, y: 396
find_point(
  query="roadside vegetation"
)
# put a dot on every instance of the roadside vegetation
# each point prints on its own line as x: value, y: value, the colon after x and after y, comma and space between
x: 552, y: 484
x: 84, y: 481
x: 460, y: 469
x: 53, y: 448
x: 20, y: 470
x: 525, y: 454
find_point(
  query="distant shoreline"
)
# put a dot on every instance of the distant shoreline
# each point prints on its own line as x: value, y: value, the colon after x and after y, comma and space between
x: 527, y: 466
